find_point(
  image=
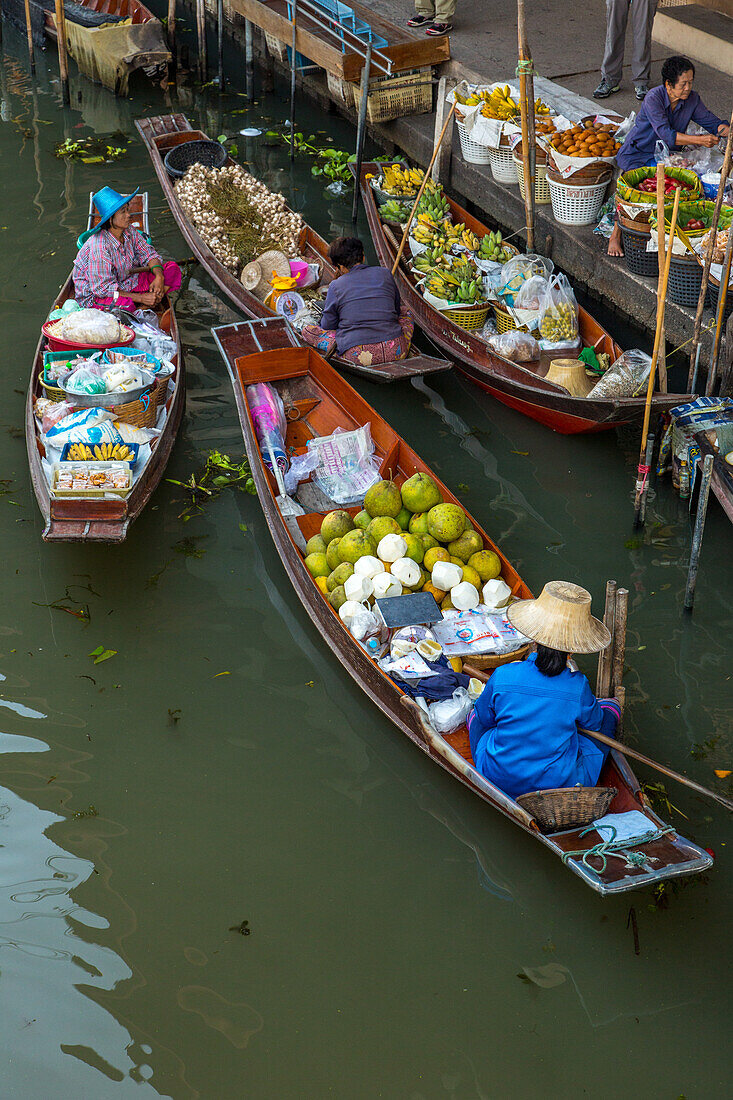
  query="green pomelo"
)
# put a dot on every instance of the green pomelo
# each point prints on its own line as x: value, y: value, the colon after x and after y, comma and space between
x: 446, y: 522
x: 383, y: 499
x: 469, y: 543
x: 428, y: 542
x: 335, y: 525
x: 337, y: 597
x: 362, y: 519
x: 381, y: 526
x: 470, y: 575
x: 419, y: 524
x: 486, y: 563
x: 420, y: 493
x: 315, y: 545
x: 415, y: 548
x: 403, y: 518
x: 339, y: 576
x: 332, y: 554
x: 355, y: 545
x: 317, y: 565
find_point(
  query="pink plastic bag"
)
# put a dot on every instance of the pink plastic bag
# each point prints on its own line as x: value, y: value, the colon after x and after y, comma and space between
x: 54, y: 413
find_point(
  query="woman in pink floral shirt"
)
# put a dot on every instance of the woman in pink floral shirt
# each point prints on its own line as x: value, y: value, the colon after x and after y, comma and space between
x: 115, y: 265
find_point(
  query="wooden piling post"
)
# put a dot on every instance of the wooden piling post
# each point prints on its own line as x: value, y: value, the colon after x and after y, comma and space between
x: 442, y: 161
x: 248, y: 59
x: 719, y: 315
x: 605, y: 657
x: 172, y: 30
x: 361, y: 130
x: 29, y: 33
x: 702, y: 509
x: 619, y: 639
x: 220, y: 42
x: 63, y: 56
x: 292, y: 80
x: 201, y: 35
x: 526, y: 103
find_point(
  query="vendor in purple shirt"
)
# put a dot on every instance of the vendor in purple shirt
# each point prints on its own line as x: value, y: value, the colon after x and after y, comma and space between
x: 664, y: 115
x: 363, y: 318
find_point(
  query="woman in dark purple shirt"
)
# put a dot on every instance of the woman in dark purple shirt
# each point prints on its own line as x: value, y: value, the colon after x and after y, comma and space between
x: 664, y: 115
x: 363, y: 317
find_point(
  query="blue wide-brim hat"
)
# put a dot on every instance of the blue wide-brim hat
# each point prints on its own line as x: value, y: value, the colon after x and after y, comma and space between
x: 108, y: 202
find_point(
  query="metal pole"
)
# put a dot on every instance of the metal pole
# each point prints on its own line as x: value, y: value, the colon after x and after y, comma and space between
x: 201, y: 33
x: 63, y: 58
x: 702, y: 509
x: 292, y: 81
x: 365, y: 74
x: 722, y: 296
x: 220, y: 41
x: 249, y: 58
x: 29, y: 33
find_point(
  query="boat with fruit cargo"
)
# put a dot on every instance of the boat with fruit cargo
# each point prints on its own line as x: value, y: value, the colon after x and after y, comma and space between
x: 522, y: 385
x: 92, y: 492
x: 165, y: 133
x: 316, y: 403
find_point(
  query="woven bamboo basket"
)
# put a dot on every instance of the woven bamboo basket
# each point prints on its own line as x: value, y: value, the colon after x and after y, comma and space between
x: 505, y: 322
x: 141, y: 414
x: 469, y: 318
x: 567, y: 807
x: 160, y: 393
x: 486, y: 661
x: 53, y: 392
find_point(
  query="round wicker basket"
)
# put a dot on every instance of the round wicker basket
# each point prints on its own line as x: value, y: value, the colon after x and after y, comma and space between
x: 487, y: 661
x: 567, y: 807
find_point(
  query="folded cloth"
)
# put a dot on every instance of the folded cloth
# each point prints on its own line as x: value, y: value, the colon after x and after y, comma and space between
x: 631, y: 827
x: 441, y: 684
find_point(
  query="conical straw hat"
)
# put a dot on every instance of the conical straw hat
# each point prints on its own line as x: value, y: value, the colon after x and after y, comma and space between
x: 560, y: 618
x: 251, y: 276
x: 570, y: 373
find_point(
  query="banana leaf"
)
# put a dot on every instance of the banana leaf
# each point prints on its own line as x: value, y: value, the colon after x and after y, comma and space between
x: 627, y: 186
x: 702, y: 210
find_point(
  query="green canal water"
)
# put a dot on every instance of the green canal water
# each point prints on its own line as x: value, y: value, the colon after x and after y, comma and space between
x: 406, y: 941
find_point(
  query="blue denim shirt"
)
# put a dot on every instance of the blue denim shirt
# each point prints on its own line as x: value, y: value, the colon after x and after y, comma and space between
x: 363, y: 307
x: 524, y: 729
x: 657, y: 121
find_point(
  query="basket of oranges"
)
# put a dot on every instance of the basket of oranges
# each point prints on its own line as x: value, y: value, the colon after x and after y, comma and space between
x: 579, y: 152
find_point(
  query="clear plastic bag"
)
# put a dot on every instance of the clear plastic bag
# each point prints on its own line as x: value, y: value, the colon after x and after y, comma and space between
x: 150, y: 337
x: 626, y: 377
x: 301, y: 467
x: 531, y: 293
x: 90, y: 326
x: 559, y: 312
x: 516, y: 271
x: 347, y: 465
x: 310, y: 314
x: 518, y: 346
x: 86, y: 380
x: 448, y: 715
x: 52, y: 413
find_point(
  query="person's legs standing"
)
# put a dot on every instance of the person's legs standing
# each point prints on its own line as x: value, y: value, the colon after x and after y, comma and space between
x: 617, y: 14
x: 642, y: 18
x: 444, y: 11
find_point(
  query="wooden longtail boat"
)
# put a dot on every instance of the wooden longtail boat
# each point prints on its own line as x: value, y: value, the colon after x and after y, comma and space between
x: 163, y: 133
x: 318, y: 400
x: 91, y: 520
x: 521, y: 386
x: 115, y: 48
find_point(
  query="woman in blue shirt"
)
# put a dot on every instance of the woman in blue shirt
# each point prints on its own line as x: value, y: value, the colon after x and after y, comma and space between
x: 664, y: 115
x: 524, y: 727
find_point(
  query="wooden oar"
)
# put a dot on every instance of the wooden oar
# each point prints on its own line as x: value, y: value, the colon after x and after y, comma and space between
x: 613, y: 744
x: 438, y: 144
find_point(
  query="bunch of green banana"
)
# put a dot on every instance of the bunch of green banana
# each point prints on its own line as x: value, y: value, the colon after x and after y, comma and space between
x: 491, y: 248
x: 464, y: 269
x: 425, y: 234
x: 394, y: 211
x: 433, y: 202
x: 448, y: 286
x: 470, y: 241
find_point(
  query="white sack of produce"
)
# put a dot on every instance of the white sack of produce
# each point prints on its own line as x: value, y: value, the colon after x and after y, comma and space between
x: 89, y: 326
x: 85, y: 426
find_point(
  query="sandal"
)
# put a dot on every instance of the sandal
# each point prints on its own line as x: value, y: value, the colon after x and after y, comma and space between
x: 437, y: 29
x: 419, y: 20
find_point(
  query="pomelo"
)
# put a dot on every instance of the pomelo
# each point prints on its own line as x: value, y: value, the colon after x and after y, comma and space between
x: 381, y: 526
x: 322, y: 584
x: 486, y: 563
x: 403, y: 518
x: 428, y: 541
x: 419, y: 524
x: 446, y: 522
x: 337, y: 597
x: 436, y: 553
x: 383, y: 499
x: 420, y: 493
x: 356, y: 544
x: 437, y: 593
x: 332, y: 554
x: 340, y: 574
x: 469, y: 543
x: 315, y: 545
x: 362, y: 519
x: 335, y: 525
x: 317, y: 565
x: 415, y: 549
x: 474, y: 578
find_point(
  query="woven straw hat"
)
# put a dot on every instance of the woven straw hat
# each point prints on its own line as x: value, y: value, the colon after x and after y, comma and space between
x: 560, y: 619
x: 256, y: 275
x: 570, y: 373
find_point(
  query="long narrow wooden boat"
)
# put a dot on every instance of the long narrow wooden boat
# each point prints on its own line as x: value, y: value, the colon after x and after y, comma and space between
x: 139, y: 44
x: 166, y: 131
x: 521, y: 386
x: 104, y: 520
x: 317, y: 401
x: 721, y: 481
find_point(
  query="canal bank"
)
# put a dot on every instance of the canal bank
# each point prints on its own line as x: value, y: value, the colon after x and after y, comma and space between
x: 579, y: 251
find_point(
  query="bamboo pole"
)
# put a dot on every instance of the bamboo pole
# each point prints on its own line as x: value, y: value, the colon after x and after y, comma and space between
x: 172, y: 30
x: 694, y: 352
x: 201, y: 36
x: 220, y: 42
x: 618, y: 646
x: 292, y: 80
x: 525, y: 70
x: 643, y: 470
x: 423, y: 185
x: 603, y: 676
x: 29, y: 33
x: 702, y: 510
x: 722, y: 298
x: 63, y: 57
x: 661, y: 248
x: 361, y: 131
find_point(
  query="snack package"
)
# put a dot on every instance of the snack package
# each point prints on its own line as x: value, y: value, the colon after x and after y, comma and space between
x: 558, y: 323
x: 87, y: 380
x: 626, y: 377
x: 518, y: 346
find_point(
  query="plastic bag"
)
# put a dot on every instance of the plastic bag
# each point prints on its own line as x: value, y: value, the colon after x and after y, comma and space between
x: 121, y: 377
x: 52, y: 412
x: 301, y: 467
x: 347, y: 465
x: 448, y: 715
x: 310, y: 314
x: 90, y: 326
x: 518, y: 346
x: 559, y: 312
x: 129, y: 433
x: 84, y: 426
x: 268, y: 417
x: 626, y: 377
x: 531, y: 293
x: 85, y: 380
x: 150, y: 337
x: 516, y: 271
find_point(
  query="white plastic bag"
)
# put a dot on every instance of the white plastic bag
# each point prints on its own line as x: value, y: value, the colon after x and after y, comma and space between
x: 301, y: 467
x: 518, y: 346
x: 448, y: 715
x: 90, y: 326
x: 559, y: 313
x: 85, y: 426
x: 347, y: 466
